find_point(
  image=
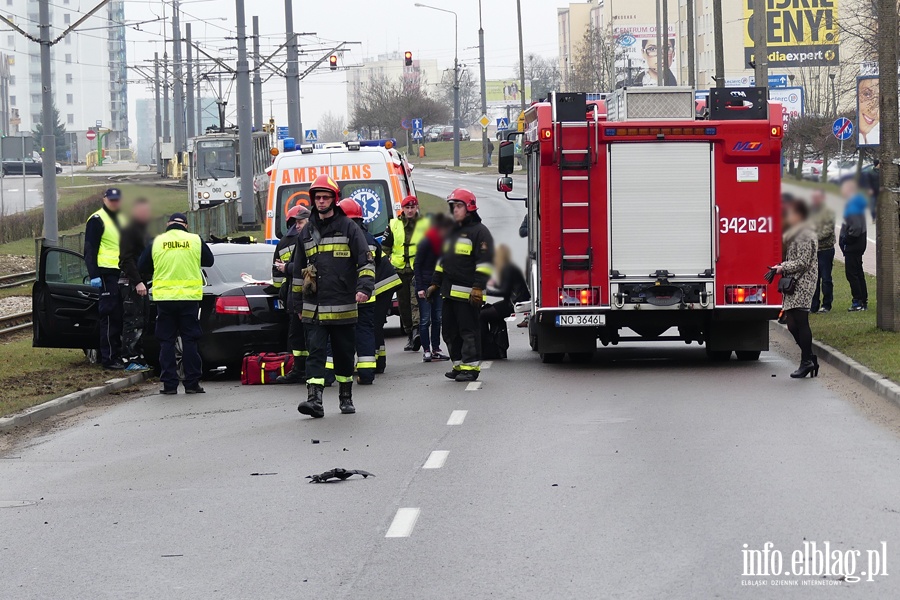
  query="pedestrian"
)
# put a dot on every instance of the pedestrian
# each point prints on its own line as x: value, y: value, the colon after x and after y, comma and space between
x: 175, y: 259
x: 335, y: 272
x: 823, y: 219
x: 461, y: 276
x: 853, y: 243
x: 400, y: 243
x: 366, y: 347
x: 800, y: 264
x: 283, y: 278
x: 101, y: 254
x: 872, y: 185
x: 430, y: 309
x: 133, y: 289
x: 509, y: 286
x: 490, y: 151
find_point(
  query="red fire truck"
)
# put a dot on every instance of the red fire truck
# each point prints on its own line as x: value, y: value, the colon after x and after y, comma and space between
x: 648, y: 223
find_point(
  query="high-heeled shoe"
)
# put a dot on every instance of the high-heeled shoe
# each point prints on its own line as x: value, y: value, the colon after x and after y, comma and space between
x: 806, y: 368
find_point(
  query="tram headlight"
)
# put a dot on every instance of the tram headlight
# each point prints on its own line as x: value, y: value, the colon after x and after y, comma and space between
x: 228, y: 194
x: 206, y: 195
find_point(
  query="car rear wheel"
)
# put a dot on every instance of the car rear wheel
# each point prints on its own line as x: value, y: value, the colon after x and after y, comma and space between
x: 747, y: 355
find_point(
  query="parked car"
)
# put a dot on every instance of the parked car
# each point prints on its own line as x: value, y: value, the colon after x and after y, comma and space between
x: 236, y: 316
x: 31, y: 165
x: 447, y: 134
x: 433, y: 133
x: 812, y: 169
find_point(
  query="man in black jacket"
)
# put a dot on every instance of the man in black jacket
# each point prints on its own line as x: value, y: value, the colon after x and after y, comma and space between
x: 853, y: 242
x: 334, y: 271
x: 461, y: 276
x: 132, y: 287
x: 283, y: 278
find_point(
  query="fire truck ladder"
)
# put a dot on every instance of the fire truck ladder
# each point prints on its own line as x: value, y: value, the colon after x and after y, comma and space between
x: 575, y: 154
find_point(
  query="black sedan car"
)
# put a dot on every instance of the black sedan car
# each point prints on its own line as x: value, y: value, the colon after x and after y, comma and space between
x: 238, y: 314
x: 31, y: 166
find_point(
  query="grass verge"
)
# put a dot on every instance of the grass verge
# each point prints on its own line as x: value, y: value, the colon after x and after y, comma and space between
x: 430, y: 204
x: 830, y: 188
x: 438, y: 151
x: 855, y: 334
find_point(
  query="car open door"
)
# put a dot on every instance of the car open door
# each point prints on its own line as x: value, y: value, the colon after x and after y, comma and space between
x: 64, y: 303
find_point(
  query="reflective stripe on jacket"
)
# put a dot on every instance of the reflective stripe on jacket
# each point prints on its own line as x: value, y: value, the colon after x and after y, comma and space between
x: 176, y: 266
x: 467, y: 262
x: 403, y: 251
x: 108, y: 252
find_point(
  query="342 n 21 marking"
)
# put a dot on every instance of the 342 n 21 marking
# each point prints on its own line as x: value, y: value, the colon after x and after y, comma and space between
x: 745, y: 225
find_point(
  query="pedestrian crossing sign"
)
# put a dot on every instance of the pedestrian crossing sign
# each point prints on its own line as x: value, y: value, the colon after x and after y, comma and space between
x: 311, y: 135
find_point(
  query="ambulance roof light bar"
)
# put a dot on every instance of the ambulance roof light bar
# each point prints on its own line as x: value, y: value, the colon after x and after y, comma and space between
x: 306, y: 148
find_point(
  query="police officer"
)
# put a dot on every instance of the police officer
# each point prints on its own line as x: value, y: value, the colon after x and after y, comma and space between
x: 400, y: 242
x: 101, y: 253
x: 175, y: 258
x: 282, y: 277
x: 461, y: 277
x: 335, y: 272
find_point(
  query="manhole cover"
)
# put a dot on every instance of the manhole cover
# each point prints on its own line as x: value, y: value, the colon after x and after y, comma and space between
x: 16, y: 503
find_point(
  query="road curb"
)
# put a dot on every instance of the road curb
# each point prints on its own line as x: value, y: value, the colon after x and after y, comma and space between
x: 38, y: 413
x: 875, y: 382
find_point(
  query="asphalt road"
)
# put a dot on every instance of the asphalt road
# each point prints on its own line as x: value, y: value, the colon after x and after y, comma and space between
x: 19, y: 194
x: 641, y: 475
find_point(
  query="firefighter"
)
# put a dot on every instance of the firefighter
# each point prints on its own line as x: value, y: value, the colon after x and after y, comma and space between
x: 282, y: 278
x: 338, y: 274
x: 101, y: 253
x: 175, y: 258
x: 400, y: 242
x: 461, y: 277
x: 386, y: 281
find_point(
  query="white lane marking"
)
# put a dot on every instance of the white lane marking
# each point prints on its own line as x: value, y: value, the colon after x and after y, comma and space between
x: 457, y: 417
x: 32, y: 190
x: 487, y: 364
x: 403, y: 523
x: 436, y: 459
x: 474, y: 386
x: 870, y: 239
x: 13, y: 190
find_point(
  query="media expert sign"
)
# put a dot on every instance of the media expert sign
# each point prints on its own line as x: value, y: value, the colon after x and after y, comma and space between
x: 791, y: 99
x: 800, y: 33
x: 506, y: 91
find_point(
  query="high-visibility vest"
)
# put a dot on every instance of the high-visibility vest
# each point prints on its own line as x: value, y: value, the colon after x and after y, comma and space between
x: 404, y: 251
x: 176, y: 266
x: 108, y: 252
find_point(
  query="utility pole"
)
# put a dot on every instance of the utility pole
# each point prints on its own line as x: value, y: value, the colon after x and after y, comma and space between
x: 760, y: 44
x: 177, y: 85
x: 484, y: 133
x: 664, y: 49
x: 156, y: 80
x: 200, y: 129
x: 719, y: 43
x: 189, y: 82
x: 292, y: 75
x: 692, y: 45
x: 245, y: 121
x: 167, y: 134
x: 48, y: 139
x: 521, y: 56
x: 887, y: 225
x: 257, y: 79
x: 660, y: 64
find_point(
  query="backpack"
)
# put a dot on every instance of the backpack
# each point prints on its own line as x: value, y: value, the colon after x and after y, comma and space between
x: 495, y: 344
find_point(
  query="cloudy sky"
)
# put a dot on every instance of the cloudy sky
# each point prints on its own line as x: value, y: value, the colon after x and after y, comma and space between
x: 380, y: 25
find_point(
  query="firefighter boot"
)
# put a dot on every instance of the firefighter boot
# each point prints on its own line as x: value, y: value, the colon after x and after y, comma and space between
x: 345, y: 395
x: 296, y: 375
x: 313, y: 405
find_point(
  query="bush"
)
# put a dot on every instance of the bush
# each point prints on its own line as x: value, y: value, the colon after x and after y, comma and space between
x: 30, y: 224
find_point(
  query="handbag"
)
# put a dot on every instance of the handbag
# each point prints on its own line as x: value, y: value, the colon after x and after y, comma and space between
x: 787, y: 285
x: 264, y: 368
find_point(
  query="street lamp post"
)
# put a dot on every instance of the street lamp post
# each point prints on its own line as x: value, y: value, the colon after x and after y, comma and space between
x: 455, y: 79
x: 484, y: 136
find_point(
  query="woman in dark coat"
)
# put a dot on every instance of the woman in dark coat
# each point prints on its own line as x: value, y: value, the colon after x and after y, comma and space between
x: 509, y: 286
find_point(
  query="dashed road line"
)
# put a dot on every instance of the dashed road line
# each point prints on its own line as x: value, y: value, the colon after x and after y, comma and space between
x: 436, y: 459
x: 457, y: 417
x: 474, y: 386
x: 403, y: 524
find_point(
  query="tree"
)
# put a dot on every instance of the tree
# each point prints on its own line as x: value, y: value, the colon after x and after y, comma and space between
x: 331, y: 127
x: 59, y: 130
x: 543, y: 73
x: 469, y: 95
x: 383, y: 104
x: 596, y: 62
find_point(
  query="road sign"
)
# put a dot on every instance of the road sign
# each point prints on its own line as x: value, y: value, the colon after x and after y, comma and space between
x: 311, y: 135
x: 502, y: 124
x: 283, y: 132
x: 90, y: 135
x: 485, y: 121
x: 99, y: 124
x: 842, y: 128
x: 417, y: 134
x: 778, y: 81
x: 417, y: 124
x: 791, y: 100
x: 346, y: 132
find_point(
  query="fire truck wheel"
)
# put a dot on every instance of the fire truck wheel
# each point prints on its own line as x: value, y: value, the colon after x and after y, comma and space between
x: 748, y: 355
x: 718, y: 355
x: 552, y: 358
x: 581, y: 358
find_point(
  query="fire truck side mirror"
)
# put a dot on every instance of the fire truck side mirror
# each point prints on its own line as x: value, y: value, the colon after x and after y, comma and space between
x: 506, y: 162
x: 505, y: 184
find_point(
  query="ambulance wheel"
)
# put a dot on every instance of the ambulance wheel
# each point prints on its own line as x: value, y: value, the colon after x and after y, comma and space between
x: 552, y: 358
x: 718, y: 355
x: 581, y: 358
x: 747, y: 355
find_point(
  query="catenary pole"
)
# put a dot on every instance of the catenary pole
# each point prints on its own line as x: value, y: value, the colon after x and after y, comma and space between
x: 719, y: 41
x: 292, y: 74
x: 48, y: 139
x: 692, y: 45
x: 245, y: 121
x: 257, y: 79
x: 484, y: 133
x: 156, y: 86
x: 189, y: 83
x: 177, y: 82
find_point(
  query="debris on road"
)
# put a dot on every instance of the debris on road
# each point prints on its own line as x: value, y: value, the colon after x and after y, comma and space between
x: 261, y: 474
x: 341, y: 474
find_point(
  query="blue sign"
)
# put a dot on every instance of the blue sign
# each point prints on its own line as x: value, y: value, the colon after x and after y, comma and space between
x: 311, y: 135
x: 778, y: 81
x: 282, y: 132
x: 418, y: 134
x: 842, y: 128
x: 502, y: 124
x: 417, y: 124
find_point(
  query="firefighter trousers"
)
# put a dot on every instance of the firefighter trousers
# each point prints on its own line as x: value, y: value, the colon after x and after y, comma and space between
x: 462, y: 333
x: 382, y: 307
x: 297, y: 341
x: 366, y: 348
x: 343, y: 345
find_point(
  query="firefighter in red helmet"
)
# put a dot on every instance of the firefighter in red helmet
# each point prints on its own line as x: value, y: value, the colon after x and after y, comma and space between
x: 334, y: 271
x: 282, y: 278
x: 461, y: 277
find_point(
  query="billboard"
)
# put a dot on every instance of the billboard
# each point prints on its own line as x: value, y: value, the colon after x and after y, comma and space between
x: 799, y: 33
x: 791, y: 99
x: 868, y: 111
x: 506, y: 91
x: 636, y: 56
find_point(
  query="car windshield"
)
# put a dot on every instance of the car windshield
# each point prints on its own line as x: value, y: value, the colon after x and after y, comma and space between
x: 216, y: 160
x: 229, y: 267
x: 371, y: 194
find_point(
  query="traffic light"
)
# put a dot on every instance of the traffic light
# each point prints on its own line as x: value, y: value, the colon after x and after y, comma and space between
x: 332, y: 62
x: 407, y: 58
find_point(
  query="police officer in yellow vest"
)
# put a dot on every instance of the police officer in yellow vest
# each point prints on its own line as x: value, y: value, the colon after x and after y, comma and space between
x: 400, y: 242
x: 101, y: 253
x: 175, y: 258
